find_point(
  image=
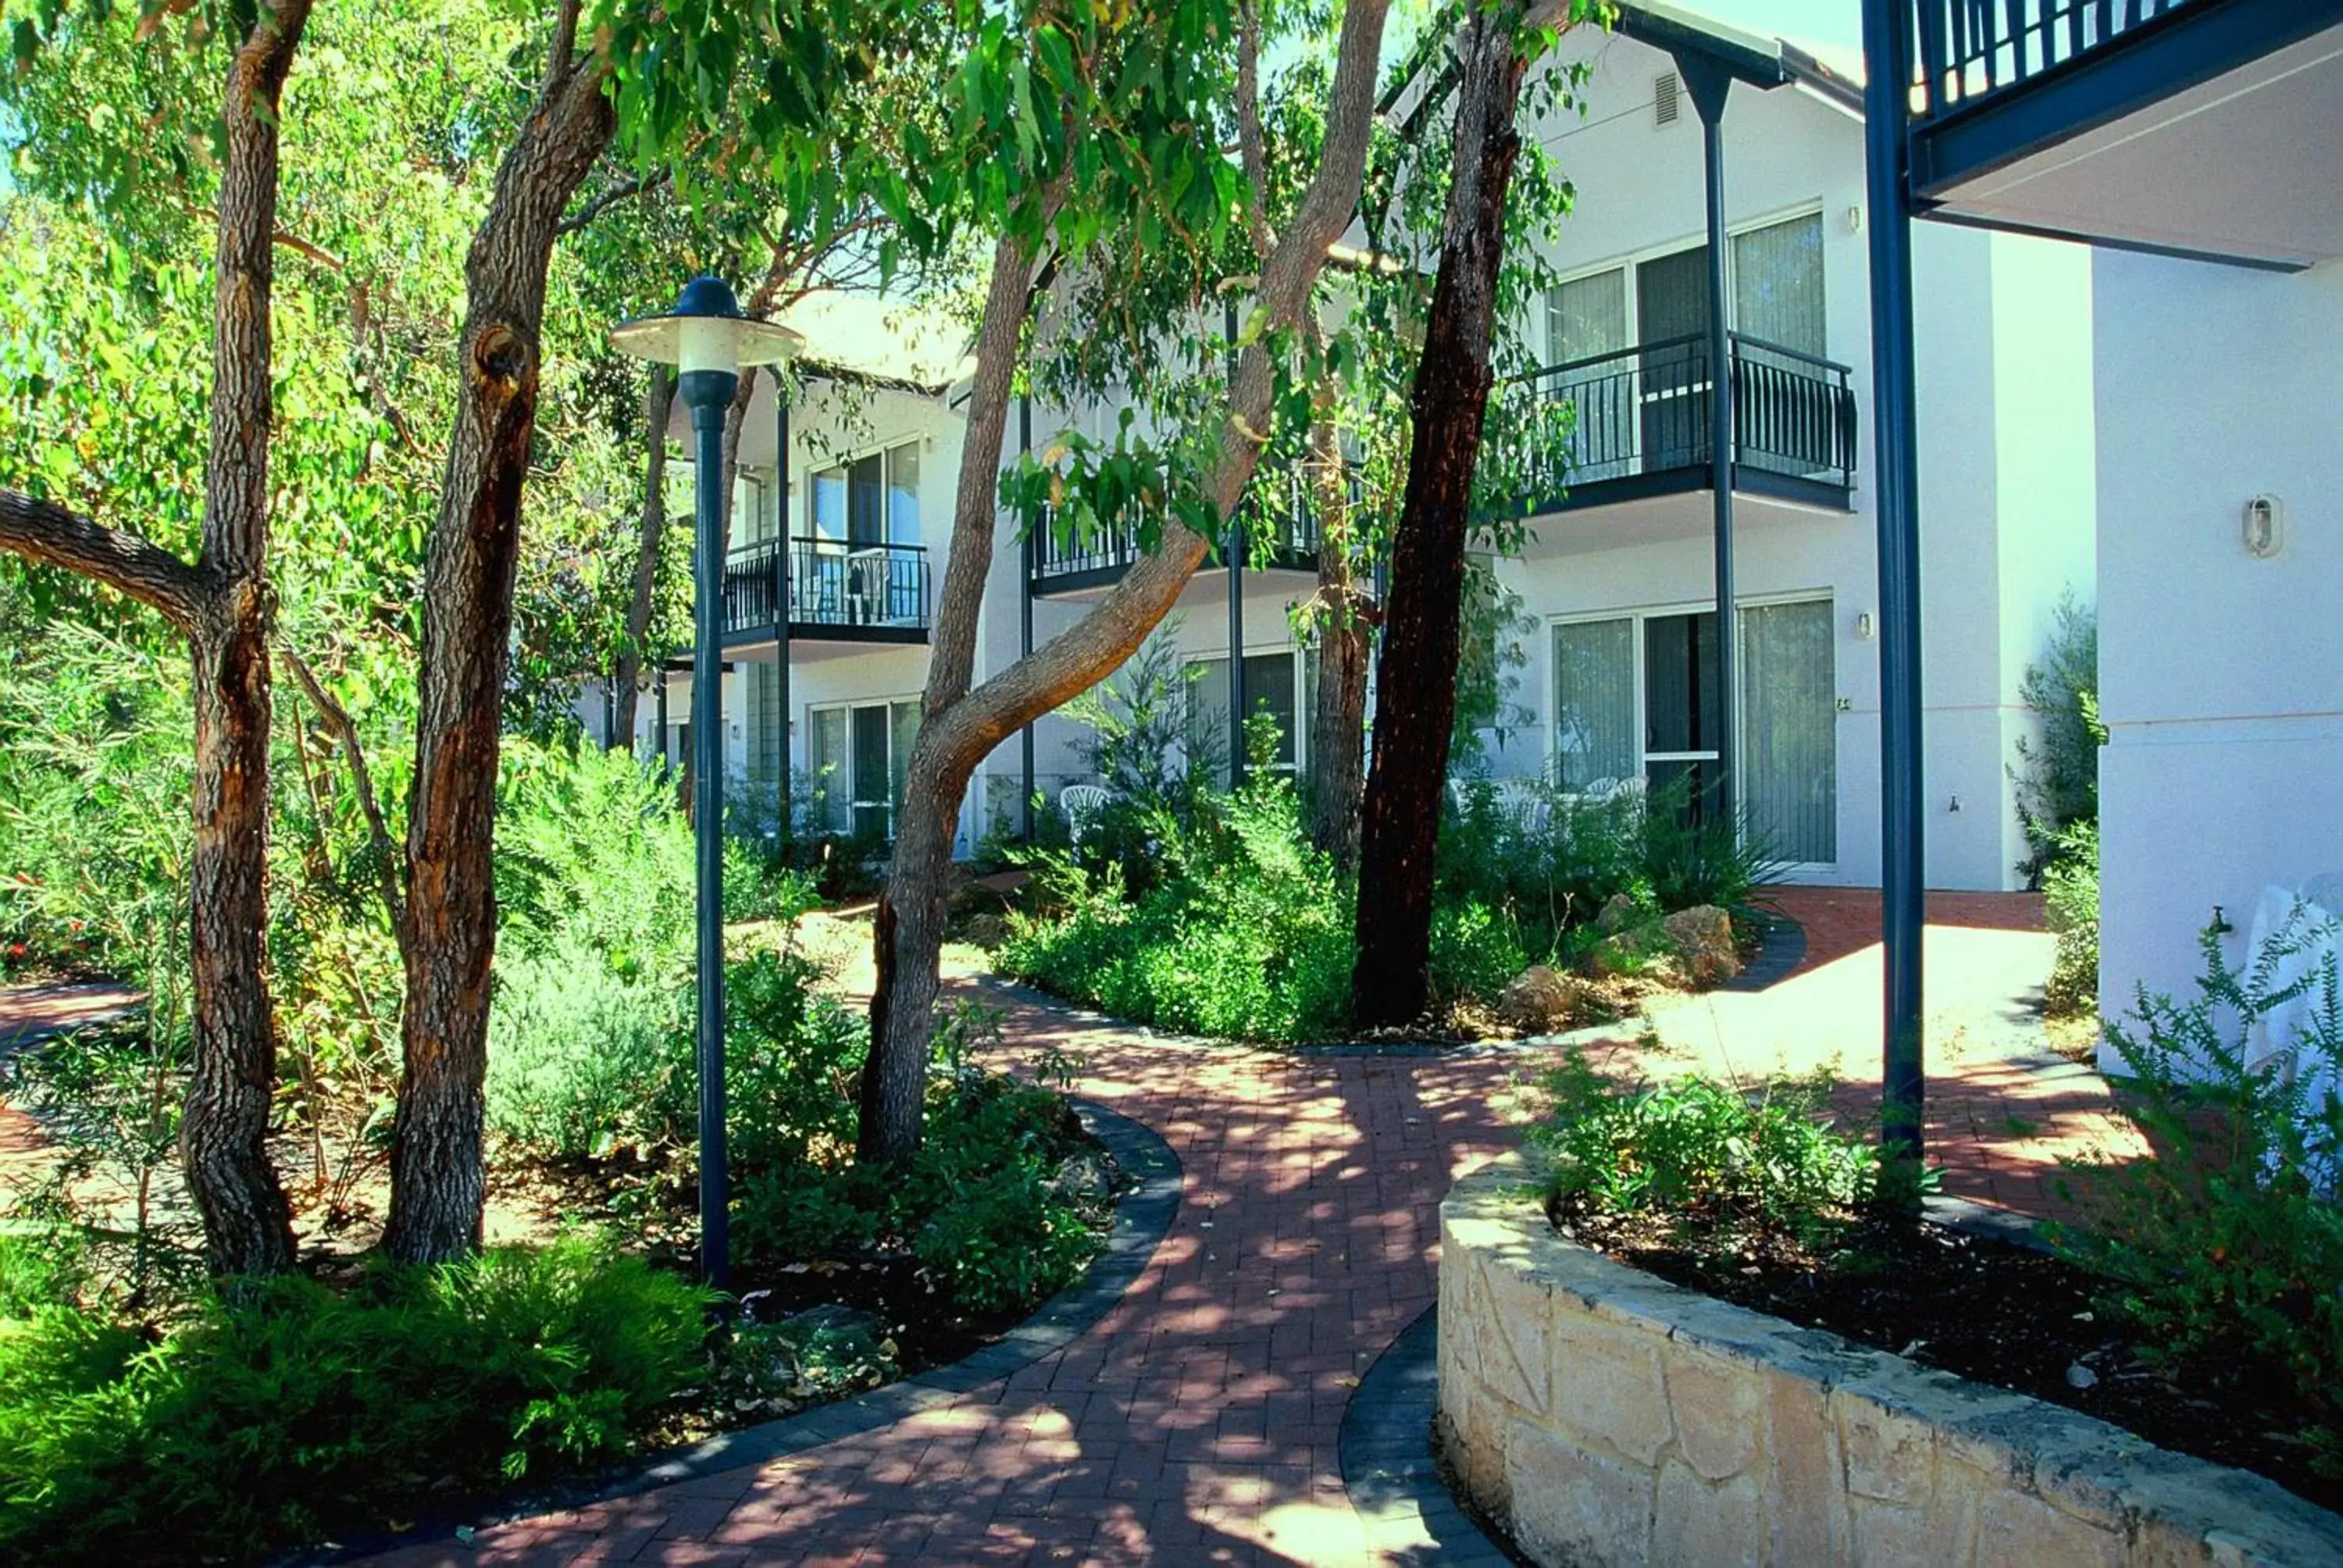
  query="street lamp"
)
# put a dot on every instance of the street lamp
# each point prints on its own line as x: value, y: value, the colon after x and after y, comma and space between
x: 708, y: 340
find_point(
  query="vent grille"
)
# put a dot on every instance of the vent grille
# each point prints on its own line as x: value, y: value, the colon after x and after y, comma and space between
x: 1664, y: 97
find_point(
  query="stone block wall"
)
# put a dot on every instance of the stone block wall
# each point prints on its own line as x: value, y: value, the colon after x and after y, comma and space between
x: 1611, y: 1419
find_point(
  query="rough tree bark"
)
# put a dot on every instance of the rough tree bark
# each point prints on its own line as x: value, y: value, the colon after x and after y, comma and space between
x: 960, y: 725
x: 437, y: 1173
x: 1345, y: 617
x: 659, y: 406
x: 227, y: 607
x: 1416, y: 700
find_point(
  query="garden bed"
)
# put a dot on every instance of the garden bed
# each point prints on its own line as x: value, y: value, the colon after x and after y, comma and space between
x: 1607, y: 1416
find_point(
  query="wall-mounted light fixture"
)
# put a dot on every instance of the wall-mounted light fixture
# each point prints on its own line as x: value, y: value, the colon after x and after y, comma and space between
x: 1863, y: 625
x: 1855, y: 220
x: 2264, y: 527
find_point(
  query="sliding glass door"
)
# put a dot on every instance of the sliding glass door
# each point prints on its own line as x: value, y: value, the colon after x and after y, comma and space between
x: 860, y: 756
x: 1639, y: 696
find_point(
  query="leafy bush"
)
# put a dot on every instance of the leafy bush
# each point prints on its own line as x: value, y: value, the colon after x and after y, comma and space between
x: 2058, y: 780
x: 1246, y: 935
x: 592, y: 857
x: 2226, y: 1245
x: 1702, y: 1152
x: 297, y: 1410
x: 577, y: 1052
x: 2071, y: 881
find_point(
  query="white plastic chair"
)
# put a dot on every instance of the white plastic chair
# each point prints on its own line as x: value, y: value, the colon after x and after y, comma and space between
x: 1083, y: 806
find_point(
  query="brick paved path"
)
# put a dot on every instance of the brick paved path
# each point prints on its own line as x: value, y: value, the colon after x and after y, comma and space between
x: 1198, y: 1422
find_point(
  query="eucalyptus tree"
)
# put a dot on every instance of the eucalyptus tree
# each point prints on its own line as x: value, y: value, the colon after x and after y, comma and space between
x: 225, y: 605
x: 1496, y: 49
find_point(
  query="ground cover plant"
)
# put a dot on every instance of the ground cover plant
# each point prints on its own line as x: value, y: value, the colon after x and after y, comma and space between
x: 2195, y: 1299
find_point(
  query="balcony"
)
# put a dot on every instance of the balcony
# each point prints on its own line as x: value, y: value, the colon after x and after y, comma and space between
x: 1072, y: 566
x: 2197, y: 127
x: 836, y: 591
x: 1632, y: 424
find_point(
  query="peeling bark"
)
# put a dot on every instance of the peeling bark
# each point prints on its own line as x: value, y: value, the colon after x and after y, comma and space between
x: 437, y: 1169
x: 1415, y: 702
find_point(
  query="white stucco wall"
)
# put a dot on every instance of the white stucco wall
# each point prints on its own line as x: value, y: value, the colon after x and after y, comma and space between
x: 2221, y: 674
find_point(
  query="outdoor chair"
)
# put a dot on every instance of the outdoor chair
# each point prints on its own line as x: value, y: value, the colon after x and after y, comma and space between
x: 1084, y: 805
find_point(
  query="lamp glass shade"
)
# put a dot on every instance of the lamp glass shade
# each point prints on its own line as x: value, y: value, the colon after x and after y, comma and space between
x: 692, y: 340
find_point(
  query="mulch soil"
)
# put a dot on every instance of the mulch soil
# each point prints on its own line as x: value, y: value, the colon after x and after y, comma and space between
x: 1987, y: 1309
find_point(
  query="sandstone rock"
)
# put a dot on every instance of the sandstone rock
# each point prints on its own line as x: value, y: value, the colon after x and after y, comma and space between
x: 1619, y: 912
x: 1541, y: 1000
x: 1703, y: 937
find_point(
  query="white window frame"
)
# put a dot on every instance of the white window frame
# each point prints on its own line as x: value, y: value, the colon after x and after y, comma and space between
x: 1638, y: 615
x: 1631, y: 260
x: 847, y: 706
x: 1296, y: 652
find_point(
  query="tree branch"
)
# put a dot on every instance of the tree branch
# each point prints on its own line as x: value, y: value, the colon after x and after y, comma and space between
x: 59, y: 536
x: 625, y: 190
x: 338, y: 723
x: 1252, y: 148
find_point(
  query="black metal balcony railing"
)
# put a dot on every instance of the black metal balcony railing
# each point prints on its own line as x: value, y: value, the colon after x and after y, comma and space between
x: 830, y: 583
x: 1970, y: 49
x: 1646, y: 411
x: 1293, y: 547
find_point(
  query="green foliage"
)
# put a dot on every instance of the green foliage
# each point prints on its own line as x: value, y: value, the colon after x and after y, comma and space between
x: 2071, y: 881
x: 591, y: 854
x: 297, y: 1410
x: 1703, y: 1152
x: 1247, y: 934
x: 2225, y: 1246
x: 2058, y: 780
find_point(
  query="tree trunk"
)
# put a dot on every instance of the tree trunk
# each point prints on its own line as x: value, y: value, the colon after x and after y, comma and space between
x: 658, y: 405
x: 1415, y: 702
x: 960, y: 725
x: 223, y: 1139
x: 1338, y: 723
x: 437, y: 1173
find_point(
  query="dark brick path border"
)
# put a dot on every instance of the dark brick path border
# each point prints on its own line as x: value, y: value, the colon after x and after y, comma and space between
x: 1390, y: 1469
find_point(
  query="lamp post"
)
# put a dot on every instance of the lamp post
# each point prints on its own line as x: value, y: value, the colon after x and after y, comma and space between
x: 708, y: 342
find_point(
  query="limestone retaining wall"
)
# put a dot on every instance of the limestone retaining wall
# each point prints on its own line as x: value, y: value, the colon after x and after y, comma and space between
x: 1610, y: 1419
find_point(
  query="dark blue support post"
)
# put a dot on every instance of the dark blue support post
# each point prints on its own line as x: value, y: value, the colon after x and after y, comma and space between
x: 1887, y: 51
x: 1031, y: 556
x: 1234, y: 548
x: 708, y: 394
x: 1710, y: 83
x: 783, y: 564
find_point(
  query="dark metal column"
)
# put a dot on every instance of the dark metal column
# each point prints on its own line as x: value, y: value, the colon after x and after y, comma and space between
x: 1709, y: 84
x: 1031, y: 558
x: 1233, y: 546
x: 708, y: 394
x: 1887, y: 53
x: 785, y: 566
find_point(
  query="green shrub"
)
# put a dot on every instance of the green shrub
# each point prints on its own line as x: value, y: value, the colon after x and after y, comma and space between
x: 2058, y: 779
x: 592, y: 856
x: 578, y: 1054
x: 2226, y: 1245
x: 1702, y: 1152
x: 2071, y: 881
x: 297, y: 1410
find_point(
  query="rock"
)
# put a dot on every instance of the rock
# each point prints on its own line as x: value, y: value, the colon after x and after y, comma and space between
x: 985, y: 931
x: 1082, y: 1177
x: 1702, y: 937
x: 831, y: 1318
x: 1619, y: 912
x: 1540, y: 1001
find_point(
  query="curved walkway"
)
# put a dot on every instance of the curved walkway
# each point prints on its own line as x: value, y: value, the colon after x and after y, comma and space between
x: 1199, y: 1420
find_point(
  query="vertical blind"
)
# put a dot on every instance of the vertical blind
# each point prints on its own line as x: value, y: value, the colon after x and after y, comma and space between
x: 1778, y: 284
x: 1789, y: 746
x: 1595, y: 702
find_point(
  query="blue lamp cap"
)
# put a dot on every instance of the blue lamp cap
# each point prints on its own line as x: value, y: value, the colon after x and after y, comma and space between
x: 707, y: 295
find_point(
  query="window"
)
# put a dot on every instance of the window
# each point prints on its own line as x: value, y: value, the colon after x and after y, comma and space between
x: 860, y: 756
x: 1778, y: 284
x: 1588, y: 316
x: 1637, y: 696
x: 872, y: 501
x: 752, y: 521
x: 1268, y: 688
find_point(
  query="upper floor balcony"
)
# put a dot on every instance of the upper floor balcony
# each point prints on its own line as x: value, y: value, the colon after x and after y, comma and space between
x: 1071, y: 566
x: 2201, y: 127
x: 835, y: 590
x: 1634, y: 424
